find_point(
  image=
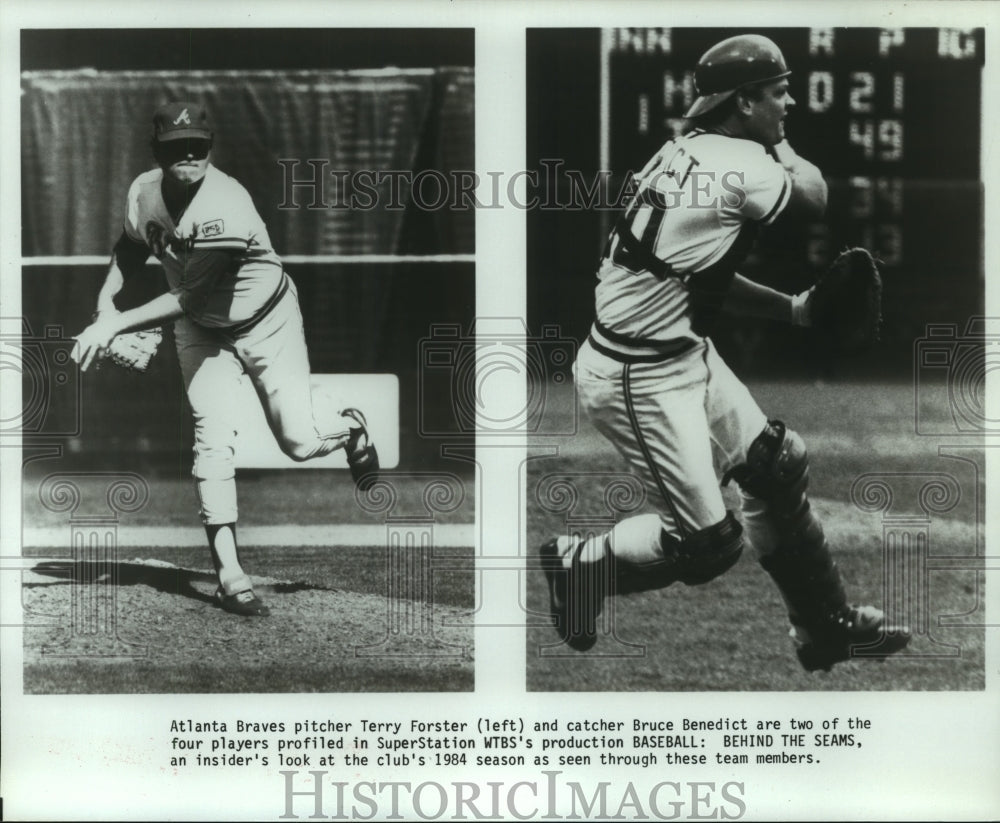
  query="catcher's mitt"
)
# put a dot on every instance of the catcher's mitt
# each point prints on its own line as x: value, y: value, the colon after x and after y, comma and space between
x: 845, y: 305
x: 134, y: 350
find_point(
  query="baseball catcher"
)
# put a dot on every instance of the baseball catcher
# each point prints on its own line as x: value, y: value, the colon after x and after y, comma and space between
x: 845, y: 306
x: 653, y: 384
x: 234, y: 311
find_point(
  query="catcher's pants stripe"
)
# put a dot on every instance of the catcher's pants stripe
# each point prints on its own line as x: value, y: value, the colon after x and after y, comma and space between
x: 678, y: 423
x: 644, y: 448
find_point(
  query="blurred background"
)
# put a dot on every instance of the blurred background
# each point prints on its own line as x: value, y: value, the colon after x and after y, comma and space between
x: 372, y: 281
x: 892, y: 117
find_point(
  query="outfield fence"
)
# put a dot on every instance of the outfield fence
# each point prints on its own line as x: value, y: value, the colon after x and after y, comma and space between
x: 372, y: 280
x: 362, y: 314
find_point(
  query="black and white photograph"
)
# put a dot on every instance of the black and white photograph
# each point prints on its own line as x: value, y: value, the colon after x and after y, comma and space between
x: 221, y: 424
x: 467, y: 410
x: 780, y: 359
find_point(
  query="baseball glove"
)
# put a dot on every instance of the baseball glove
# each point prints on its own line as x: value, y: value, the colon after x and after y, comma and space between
x: 845, y: 305
x: 134, y: 350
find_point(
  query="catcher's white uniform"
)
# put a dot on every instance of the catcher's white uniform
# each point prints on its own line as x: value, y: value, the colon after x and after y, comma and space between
x: 655, y: 386
x: 652, y: 384
x: 241, y: 316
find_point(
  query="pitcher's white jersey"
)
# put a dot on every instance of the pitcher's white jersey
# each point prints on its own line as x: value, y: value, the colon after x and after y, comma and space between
x: 241, y: 317
x: 697, y: 204
x: 220, y: 217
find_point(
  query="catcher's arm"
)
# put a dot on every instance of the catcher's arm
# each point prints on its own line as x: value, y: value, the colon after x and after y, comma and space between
x: 809, y: 189
x: 747, y: 298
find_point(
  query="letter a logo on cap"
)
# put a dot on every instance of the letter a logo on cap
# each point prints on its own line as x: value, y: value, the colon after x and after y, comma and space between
x: 181, y: 120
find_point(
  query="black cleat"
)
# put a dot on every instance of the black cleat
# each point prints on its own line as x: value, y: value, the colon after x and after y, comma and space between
x: 362, y: 458
x: 855, y: 628
x: 244, y: 603
x: 576, y: 595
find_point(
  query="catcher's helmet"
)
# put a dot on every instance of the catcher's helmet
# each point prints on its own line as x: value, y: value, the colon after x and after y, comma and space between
x: 732, y: 64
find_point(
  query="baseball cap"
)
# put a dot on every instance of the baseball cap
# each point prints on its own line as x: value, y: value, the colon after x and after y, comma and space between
x: 732, y: 64
x: 175, y: 121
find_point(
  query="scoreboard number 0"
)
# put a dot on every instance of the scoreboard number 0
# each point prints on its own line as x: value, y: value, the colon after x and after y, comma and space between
x: 860, y: 98
x: 854, y: 121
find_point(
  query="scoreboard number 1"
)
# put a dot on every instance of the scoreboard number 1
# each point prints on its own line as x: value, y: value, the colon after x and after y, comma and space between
x: 879, y: 139
x: 821, y: 94
x: 854, y: 120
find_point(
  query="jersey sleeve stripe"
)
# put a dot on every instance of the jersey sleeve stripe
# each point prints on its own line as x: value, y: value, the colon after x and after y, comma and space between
x: 783, y: 197
x: 208, y: 240
x: 238, y: 243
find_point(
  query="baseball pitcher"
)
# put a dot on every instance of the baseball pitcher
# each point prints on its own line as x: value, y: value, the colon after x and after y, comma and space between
x: 234, y: 310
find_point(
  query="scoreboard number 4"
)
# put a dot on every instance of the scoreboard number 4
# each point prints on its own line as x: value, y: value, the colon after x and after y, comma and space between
x: 855, y: 122
x: 878, y: 139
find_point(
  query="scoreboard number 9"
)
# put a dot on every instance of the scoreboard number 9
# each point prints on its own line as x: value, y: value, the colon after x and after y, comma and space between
x: 891, y: 164
x: 878, y: 139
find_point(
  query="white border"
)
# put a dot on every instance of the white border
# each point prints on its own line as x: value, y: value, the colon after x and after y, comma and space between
x: 935, y: 756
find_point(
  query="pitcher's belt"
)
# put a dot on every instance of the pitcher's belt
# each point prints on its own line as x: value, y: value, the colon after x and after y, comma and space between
x: 265, y: 310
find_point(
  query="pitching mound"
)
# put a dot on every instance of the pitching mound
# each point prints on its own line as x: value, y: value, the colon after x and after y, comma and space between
x: 151, y: 626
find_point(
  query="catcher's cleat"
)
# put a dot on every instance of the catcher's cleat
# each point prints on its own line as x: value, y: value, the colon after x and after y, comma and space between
x: 854, y: 628
x: 362, y: 458
x: 244, y: 603
x: 576, y: 595
x: 555, y: 577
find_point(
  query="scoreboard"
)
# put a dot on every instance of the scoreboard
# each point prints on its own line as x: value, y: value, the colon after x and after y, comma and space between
x: 891, y: 116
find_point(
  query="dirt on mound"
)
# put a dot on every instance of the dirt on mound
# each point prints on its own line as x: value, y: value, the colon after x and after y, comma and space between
x: 161, y: 624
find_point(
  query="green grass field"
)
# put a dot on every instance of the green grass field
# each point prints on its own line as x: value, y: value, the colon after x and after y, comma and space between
x: 731, y: 634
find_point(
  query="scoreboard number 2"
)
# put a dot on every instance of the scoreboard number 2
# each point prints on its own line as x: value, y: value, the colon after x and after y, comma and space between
x: 855, y: 120
x: 862, y: 91
x: 821, y: 94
